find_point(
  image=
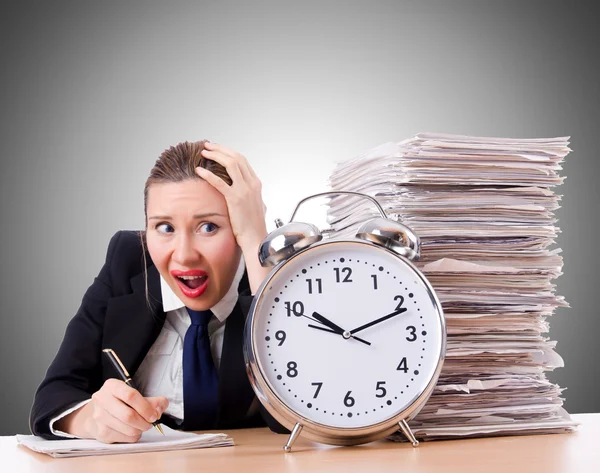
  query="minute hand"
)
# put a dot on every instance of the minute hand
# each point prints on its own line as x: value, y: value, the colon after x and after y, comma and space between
x: 385, y: 317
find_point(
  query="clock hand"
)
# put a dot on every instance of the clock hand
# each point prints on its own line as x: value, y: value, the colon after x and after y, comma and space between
x: 385, y: 317
x: 325, y: 329
x: 328, y: 322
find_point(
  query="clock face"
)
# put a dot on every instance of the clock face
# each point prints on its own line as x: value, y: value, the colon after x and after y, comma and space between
x: 348, y: 335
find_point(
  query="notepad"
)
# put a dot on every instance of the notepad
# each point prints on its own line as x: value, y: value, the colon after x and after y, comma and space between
x: 151, y: 441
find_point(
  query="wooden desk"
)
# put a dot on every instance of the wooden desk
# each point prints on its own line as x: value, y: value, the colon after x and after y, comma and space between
x: 259, y: 450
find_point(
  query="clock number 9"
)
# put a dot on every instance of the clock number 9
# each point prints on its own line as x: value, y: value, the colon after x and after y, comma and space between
x: 280, y: 336
x: 297, y: 308
x: 349, y: 400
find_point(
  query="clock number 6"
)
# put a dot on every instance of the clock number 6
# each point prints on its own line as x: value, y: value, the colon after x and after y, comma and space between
x: 349, y: 400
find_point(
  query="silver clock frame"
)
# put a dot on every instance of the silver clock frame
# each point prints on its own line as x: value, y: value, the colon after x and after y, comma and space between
x: 297, y: 423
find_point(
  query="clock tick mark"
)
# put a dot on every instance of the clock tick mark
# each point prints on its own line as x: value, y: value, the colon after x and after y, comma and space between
x: 277, y: 299
x: 389, y: 403
x: 304, y: 271
x: 341, y: 260
x: 309, y: 405
x: 380, y: 268
x: 417, y: 372
x: 278, y: 376
x: 423, y: 332
x: 411, y: 295
x: 349, y: 414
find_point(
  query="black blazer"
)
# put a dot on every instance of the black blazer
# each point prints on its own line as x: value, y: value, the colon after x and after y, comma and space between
x: 116, y: 312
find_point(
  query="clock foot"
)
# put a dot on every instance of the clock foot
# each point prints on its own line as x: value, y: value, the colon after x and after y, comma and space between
x: 293, y: 436
x: 408, y: 433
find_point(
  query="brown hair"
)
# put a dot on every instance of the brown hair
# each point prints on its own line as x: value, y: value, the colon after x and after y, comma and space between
x: 176, y: 164
x: 179, y: 163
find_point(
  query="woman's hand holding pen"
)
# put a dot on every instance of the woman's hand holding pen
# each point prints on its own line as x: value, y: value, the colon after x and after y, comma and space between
x: 116, y: 413
x: 244, y: 203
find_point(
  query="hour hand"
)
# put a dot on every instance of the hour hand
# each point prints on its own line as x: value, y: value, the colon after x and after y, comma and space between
x: 329, y: 323
x: 325, y: 329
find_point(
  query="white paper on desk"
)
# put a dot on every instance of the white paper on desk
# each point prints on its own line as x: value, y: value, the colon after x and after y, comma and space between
x: 151, y: 441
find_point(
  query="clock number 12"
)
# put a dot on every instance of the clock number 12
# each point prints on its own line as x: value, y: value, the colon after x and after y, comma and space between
x: 347, y: 271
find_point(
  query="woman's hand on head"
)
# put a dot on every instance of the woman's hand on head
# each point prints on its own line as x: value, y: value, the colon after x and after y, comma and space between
x: 116, y: 413
x: 244, y: 203
x: 244, y: 196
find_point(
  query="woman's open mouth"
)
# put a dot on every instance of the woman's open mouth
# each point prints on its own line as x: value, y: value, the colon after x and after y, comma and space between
x: 192, y: 283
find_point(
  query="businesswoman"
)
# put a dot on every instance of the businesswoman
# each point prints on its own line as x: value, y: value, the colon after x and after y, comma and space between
x: 204, y: 223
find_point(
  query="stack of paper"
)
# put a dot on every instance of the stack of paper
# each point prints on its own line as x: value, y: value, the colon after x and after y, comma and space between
x: 484, y: 210
x: 151, y: 441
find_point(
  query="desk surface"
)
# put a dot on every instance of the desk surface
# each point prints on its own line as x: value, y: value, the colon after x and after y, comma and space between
x: 261, y: 450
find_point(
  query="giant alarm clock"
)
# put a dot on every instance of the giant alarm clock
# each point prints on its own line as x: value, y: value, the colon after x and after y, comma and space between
x: 345, y: 338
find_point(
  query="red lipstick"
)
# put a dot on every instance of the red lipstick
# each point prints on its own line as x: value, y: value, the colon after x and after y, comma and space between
x: 192, y: 282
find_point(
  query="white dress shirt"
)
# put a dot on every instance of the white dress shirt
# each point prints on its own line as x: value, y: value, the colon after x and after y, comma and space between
x: 161, y: 370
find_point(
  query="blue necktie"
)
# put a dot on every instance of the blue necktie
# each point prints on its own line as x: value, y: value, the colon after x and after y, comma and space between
x: 200, y: 384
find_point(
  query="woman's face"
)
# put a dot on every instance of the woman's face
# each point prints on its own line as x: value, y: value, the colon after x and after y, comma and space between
x: 191, y: 242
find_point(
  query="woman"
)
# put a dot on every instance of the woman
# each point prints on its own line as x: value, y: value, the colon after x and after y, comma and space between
x: 204, y: 220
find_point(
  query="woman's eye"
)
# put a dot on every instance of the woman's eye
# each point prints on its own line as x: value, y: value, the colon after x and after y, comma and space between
x: 165, y: 228
x: 208, y: 227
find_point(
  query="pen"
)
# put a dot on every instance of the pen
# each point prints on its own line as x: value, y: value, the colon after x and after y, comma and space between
x: 124, y: 374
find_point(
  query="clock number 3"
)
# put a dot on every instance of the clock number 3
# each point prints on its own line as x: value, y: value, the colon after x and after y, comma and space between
x: 413, y: 333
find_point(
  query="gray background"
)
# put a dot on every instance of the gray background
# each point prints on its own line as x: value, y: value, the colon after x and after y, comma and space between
x: 93, y: 92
